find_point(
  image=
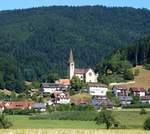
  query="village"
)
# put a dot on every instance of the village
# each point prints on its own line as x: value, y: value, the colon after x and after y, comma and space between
x: 94, y: 94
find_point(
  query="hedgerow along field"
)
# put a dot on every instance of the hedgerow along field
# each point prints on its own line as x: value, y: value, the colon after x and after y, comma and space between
x: 127, y: 119
x: 72, y: 131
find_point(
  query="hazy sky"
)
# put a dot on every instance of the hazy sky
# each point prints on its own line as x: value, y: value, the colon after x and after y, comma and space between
x: 16, y: 4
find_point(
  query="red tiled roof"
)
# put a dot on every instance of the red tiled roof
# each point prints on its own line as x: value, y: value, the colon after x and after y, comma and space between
x: 137, y: 89
x: 61, y: 95
x: 63, y: 81
x: 120, y: 87
x: 17, y: 105
x: 80, y: 101
x: 145, y: 97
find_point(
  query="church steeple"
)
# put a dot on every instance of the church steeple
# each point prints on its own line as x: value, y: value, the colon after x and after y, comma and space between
x: 71, y: 57
x: 71, y: 66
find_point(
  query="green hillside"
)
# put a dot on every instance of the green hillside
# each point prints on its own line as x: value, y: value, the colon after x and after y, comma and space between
x: 35, y: 41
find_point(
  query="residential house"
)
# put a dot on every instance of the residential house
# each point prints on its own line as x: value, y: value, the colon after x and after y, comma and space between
x: 98, y: 101
x: 64, y: 82
x: 51, y: 88
x: 39, y: 106
x: 33, y: 91
x: 137, y: 91
x: 125, y: 100
x: 61, y: 98
x: 120, y: 90
x: 145, y: 99
x: 97, y: 89
x: 85, y: 74
x: 80, y: 101
x: 18, y: 105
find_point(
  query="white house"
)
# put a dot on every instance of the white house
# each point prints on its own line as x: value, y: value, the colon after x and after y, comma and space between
x: 88, y: 75
x: 51, y: 87
x: 61, y: 98
x: 137, y: 91
x: 120, y: 90
x: 145, y: 99
x: 97, y: 89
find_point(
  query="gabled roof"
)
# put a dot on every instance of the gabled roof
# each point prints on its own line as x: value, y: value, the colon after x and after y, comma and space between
x: 145, y: 97
x: 61, y: 95
x: 39, y: 105
x: 125, y: 98
x: 137, y: 89
x: 97, y: 85
x: 63, y: 81
x: 80, y: 71
x: 51, y: 85
x: 120, y: 87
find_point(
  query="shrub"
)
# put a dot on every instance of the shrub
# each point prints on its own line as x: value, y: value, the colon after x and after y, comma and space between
x: 4, y: 123
x: 147, y: 124
x: 19, y: 111
x: 147, y: 66
x: 136, y: 72
x: 137, y: 106
x: 143, y: 111
x: 128, y: 74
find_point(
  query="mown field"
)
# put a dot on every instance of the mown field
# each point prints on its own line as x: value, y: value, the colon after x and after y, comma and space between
x: 127, y: 119
x: 71, y: 131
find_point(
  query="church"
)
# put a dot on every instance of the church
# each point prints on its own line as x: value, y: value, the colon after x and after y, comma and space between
x: 86, y: 74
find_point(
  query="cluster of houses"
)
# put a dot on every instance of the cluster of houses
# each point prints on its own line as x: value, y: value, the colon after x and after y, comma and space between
x: 98, y: 91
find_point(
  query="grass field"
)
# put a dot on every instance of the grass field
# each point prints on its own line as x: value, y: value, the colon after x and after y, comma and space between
x: 72, y: 131
x: 127, y: 119
x: 142, y: 80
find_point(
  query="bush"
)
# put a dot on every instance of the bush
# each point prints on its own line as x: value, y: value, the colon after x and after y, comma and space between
x: 147, y: 124
x: 4, y: 123
x: 136, y: 72
x: 143, y: 111
x: 147, y: 66
x: 19, y: 111
x: 137, y: 106
x: 66, y: 115
x: 128, y: 74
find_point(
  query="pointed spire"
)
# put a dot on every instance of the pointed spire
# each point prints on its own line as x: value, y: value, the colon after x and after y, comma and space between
x: 71, y: 57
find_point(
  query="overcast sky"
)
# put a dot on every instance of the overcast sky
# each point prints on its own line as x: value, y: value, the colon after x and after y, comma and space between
x: 19, y: 4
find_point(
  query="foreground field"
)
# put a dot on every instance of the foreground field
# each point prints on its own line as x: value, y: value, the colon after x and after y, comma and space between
x: 72, y: 131
x: 127, y: 119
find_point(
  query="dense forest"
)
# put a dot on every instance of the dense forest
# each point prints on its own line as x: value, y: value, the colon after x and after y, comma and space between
x: 36, y: 42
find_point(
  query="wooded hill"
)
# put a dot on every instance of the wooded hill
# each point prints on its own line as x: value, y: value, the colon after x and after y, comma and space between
x: 38, y: 40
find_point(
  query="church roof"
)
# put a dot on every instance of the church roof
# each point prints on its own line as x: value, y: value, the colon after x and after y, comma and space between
x: 80, y: 71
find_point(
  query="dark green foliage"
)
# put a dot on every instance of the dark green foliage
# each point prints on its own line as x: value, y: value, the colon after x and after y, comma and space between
x: 147, y: 124
x: 4, y: 123
x: 147, y: 66
x: 143, y: 111
x: 106, y: 117
x: 19, y: 111
x: 128, y: 74
x: 68, y: 115
x: 77, y: 84
x: 136, y: 100
x: 35, y: 41
x: 137, y: 106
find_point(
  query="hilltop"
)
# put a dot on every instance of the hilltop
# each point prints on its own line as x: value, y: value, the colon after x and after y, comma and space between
x: 35, y: 42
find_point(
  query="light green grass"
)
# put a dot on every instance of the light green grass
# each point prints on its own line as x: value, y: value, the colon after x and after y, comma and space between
x: 24, y: 122
x: 127, y: 119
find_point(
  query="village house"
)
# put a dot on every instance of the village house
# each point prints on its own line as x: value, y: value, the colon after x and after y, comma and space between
x: 145, y: 99
x: 87, y: 75
x: 137, y: 91
x: 98, y: 101
x: 33, y: 91
x: 97, y: 89
x: 61, y: 98
x: 120, y: 90
x: 80, y: 101
x: 18, y: 105
x: 64, y: 82
x: 50, y: 88
x: 125, y: 100
x: 39, y: 106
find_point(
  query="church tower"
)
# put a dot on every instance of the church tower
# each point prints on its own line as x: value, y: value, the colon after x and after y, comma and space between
x: 71, y: 67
